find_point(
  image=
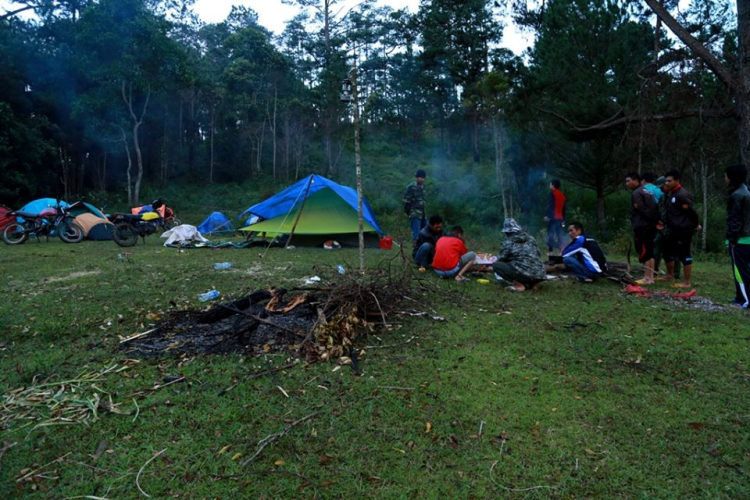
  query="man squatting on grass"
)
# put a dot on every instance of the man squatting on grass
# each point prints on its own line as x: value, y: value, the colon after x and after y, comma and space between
x: 519, y: 261
x: 424, y: 246
x: 452, y: 258
x: 682, y: 222
x: 644, y: 217
x: 583, y: 256
x: 738, y: 231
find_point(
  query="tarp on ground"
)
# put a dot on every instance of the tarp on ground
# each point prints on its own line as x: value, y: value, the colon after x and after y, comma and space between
x: 216, y: 224
x: 182, y: 234
x: 327, y: 208
x: 94, y: 228
x: 5, y: 219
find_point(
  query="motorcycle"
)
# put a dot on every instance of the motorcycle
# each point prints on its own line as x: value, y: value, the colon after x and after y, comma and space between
x: 128, y: 227
x: 51, y: 219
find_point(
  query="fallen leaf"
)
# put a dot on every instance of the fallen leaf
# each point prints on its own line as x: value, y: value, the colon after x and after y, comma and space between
x: 697, y: 425
x: 223, y: 450
x: 236, y: 456
x: 589, y: 452
x: 427, y: 427
x: 279, y: 462
x: 327, y: 483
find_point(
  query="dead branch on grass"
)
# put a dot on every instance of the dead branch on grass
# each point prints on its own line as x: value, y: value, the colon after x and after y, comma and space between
x: 273, y: 437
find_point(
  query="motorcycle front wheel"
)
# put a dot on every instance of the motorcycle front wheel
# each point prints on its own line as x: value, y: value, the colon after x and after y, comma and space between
x: 70, y: 232
x: 15, y: 234
x: 125, y: 235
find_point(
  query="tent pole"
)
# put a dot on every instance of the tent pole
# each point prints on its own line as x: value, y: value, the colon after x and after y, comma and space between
x: 299, y: 214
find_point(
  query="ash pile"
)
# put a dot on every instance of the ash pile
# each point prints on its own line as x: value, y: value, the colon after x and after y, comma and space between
x: 313, y: 323
x: 260, y: 322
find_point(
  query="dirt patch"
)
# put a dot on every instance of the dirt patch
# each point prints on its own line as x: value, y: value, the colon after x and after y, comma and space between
x: 72, y: 276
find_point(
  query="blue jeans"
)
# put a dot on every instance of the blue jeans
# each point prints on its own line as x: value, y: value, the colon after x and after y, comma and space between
x: 579, y: 269
x: 425, y: 254
x: 416, y: 226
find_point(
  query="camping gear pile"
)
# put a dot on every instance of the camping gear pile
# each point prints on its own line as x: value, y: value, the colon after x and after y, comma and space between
x: 314, y: 211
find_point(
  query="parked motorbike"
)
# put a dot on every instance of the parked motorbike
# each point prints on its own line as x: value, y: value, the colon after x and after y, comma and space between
x: 128, y: 227
x: 52, y: 219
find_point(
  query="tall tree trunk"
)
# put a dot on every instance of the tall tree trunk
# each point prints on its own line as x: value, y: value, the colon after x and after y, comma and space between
x: 738, y: 84
x: 129, y: 181
x: 137, y: 122
x: 499, y: 176
x: 704, y: 215
x: 275, y: 97
x: 211, y: 150
x: 358, y: 168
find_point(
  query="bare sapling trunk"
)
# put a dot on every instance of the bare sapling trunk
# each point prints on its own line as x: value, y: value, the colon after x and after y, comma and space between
x: 273, y: 122
x: 358, y: 166
x: 499, y: 175
x: 211, y: 149
x: 137, y: 122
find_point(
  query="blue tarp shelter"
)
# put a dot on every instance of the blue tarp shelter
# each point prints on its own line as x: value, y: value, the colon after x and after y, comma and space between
x: 329, y: 208
x: 216, y: 224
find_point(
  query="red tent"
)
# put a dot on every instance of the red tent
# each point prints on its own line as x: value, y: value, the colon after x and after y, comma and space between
x: 5, y: 219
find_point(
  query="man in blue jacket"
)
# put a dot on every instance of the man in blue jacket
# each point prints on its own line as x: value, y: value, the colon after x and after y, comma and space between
x: 583, y: 256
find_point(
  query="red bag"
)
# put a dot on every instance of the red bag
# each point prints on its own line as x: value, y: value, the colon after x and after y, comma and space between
x: 386, y: 243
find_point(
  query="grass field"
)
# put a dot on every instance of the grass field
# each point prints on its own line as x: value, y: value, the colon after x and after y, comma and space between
x: 575, y: 391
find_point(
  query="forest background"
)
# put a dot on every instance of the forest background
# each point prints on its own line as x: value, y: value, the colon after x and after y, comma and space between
x: 122, y: 101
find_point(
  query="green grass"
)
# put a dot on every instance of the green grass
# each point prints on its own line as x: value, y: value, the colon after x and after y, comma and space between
x: 580, y: 392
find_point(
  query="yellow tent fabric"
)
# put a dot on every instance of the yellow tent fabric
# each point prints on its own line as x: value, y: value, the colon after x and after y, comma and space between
x: 324, y: 212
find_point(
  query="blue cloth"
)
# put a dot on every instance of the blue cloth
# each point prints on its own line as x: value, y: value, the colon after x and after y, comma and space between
x: 282, y: 203
x: 579, y: 270
x: 425, y: 254
x: 416, y: 226
x: 655, y: 190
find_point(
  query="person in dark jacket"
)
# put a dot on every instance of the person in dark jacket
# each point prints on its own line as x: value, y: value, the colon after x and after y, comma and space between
x: 738, y: 231
x: 644, y: 217
x: 424, y: 246
x: 583, y: 257
x: 555, y: 217
x: 415, y: 203
x: 682, y: 222
x: 519, y: 261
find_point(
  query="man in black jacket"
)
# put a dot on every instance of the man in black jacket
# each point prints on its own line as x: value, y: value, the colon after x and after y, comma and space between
x: 738, y: 231
x: 682, y: 222
x: 644, y: 216
x: 424, y: 246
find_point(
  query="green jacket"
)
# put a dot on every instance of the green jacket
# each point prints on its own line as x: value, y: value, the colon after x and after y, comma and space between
x: 521, y: 251
x: 415, y: 201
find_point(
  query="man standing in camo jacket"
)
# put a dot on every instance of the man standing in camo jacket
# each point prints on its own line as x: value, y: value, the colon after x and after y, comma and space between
x: 414, y: 204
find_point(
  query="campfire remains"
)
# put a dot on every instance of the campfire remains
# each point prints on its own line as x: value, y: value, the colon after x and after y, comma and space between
x: 314, y: 323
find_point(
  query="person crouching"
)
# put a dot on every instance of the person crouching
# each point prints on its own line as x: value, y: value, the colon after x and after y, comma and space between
x: 452, y: 258
x: 583, y: 256
x: 519, y: 261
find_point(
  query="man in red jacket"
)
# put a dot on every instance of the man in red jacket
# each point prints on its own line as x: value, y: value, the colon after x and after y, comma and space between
x: 555, y: 218
x: 452, y: 258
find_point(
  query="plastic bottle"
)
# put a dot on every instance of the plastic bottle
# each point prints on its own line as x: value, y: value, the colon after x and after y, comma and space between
x: 222, y: 265
x: 203, y: 297
x: 341, y: 269
x: 119, y: 256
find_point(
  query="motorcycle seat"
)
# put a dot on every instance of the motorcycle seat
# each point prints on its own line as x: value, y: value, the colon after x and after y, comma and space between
x: 26, y: 215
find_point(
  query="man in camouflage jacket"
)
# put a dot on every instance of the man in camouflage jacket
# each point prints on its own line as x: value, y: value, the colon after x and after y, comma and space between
x: 414, y: 204
x: 519, y: 261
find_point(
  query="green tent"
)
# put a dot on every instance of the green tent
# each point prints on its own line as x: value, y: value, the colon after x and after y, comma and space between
x: 324, y: 213
x: 314, y: 210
